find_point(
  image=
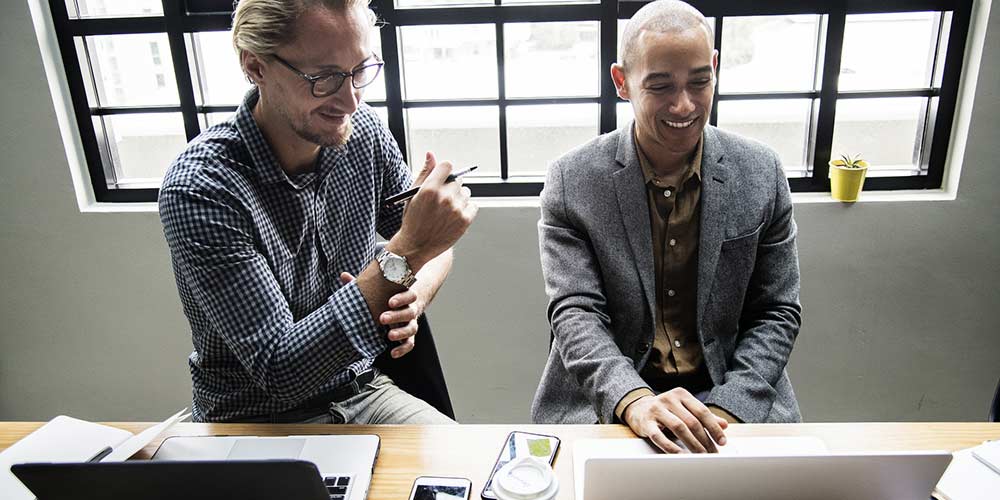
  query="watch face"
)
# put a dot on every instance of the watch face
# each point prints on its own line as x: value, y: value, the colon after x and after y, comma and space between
x: 394, y: 268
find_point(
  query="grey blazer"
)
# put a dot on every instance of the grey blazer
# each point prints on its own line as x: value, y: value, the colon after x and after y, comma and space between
x: 596, y: 247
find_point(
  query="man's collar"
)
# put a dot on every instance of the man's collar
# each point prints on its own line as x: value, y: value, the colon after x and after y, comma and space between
x: 265, y: 163
x: 693, y: 168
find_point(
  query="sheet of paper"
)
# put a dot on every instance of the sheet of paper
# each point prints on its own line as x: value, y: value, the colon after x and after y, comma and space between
x: 967, y: 479
x: 745, y: 446
x: 989, y: 454
x: 62, y: 439
x: 132, y: 446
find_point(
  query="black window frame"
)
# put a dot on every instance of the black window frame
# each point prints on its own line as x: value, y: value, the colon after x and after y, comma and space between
x: 183, y: 17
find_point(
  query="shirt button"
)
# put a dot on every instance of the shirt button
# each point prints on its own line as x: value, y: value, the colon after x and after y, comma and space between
x: 671, y: 293
x: 678, y: 343
x: 644, y: 347
x: 667, y: 193
x: 673, y: 242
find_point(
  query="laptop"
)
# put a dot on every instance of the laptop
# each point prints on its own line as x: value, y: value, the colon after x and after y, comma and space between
x: 345, y: 463
x: 790, y: 470
x: 147, y: 480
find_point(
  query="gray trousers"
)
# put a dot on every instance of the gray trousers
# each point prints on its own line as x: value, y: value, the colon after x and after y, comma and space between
x: 379, y: 402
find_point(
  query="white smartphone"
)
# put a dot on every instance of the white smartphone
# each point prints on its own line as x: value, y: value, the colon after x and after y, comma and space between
x: 440, y: 488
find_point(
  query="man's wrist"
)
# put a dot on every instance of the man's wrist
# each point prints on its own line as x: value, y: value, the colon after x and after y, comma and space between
x: 414, y: 258
x: 621, y: 409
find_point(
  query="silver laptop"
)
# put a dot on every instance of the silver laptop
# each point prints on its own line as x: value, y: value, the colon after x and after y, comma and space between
x: 797, y: 476
x: 345, y: 462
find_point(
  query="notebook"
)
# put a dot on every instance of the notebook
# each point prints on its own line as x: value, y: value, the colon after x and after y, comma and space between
x: 66, y: 439
x: 974, y: 474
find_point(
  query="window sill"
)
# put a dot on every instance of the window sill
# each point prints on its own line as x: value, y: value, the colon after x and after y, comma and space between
x: 532, y: 201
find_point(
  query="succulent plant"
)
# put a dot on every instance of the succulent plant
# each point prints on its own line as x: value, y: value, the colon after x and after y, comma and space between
x: 848, y: 161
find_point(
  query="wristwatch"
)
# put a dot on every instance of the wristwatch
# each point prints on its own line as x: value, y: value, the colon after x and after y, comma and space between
x: 396, y: 269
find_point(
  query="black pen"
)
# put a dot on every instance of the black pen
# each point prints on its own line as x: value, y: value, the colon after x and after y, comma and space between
x: 410, y: 193
x: 101, y: 454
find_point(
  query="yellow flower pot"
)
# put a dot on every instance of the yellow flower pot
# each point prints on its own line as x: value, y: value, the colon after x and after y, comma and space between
x: 846, y: 183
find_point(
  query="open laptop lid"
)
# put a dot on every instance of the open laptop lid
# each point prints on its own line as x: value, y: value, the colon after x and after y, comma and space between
x: 886, y: 476
x: 352, y: 456
x: 332, y: 454
x: 201, y: 480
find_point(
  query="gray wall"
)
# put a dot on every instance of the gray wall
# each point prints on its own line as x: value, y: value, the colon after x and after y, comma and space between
x: 901, y: 307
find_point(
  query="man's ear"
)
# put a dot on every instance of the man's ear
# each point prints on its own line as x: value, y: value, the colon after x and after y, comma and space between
x: 618, y: 76
x: 715, y: 62
x: 253, y: 67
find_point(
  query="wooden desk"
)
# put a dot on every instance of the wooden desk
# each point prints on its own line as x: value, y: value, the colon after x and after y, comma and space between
x: 469, y: 450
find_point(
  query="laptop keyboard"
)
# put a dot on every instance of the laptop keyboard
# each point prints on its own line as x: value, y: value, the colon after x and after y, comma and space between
x: 338, y: 486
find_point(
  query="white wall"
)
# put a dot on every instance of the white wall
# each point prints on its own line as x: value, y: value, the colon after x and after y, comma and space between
x: 900, y: 304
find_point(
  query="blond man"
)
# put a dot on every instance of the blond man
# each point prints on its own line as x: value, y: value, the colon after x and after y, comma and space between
x: 271, y: 215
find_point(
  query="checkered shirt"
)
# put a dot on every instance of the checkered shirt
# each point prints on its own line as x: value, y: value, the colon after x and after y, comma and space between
x: 257, y: 255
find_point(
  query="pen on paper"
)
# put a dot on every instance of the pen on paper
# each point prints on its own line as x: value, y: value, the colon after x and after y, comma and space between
x: 101, y: 454
x: 410, y: 193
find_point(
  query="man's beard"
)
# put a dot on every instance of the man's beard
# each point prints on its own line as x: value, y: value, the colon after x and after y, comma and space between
x: 325, y: 141
x: 308, y: 135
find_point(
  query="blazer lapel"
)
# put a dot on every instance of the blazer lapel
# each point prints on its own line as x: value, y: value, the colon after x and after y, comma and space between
x: 714, y: 196
x: 630, y: 186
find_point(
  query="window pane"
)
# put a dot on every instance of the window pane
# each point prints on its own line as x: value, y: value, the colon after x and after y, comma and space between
x: 625, y: 114
x: 376, y: 91
x: 216, y: 65
x: 536, y: 135
x: 769, y: 53
x: 621, y: 31
x: 545, y: 2
x: 383, y: 114
x: 465, y: 136
x: 888, y: 51
x: 944, y: 36
x: 552, y: 59
x: 213, y: 119
x: 449, y: 62
x: 133, y: 70
x: 85, y: 69
x: 886, y: 132
x: 782, y: 124
x: 143, y: 145
x: 403, y: 4
x: 109, y: 8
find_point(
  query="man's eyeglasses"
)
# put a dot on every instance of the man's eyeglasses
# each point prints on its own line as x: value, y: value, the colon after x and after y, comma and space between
x: 326, y: 84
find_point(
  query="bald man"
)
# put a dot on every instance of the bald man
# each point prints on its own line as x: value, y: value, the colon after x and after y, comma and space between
x: 669, y: 257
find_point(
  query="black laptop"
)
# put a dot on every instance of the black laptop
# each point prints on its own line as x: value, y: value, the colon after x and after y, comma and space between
x: 176, y: 480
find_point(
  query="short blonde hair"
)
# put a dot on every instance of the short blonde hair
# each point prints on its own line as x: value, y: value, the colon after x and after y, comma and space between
x: 261, y: 26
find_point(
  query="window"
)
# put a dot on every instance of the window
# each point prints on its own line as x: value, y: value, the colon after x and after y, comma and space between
x: 511, y: 84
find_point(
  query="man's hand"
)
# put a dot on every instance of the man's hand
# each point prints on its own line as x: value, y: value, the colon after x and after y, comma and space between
x: 435, y: 218
x: 404, y: 309
x: 680, y: 413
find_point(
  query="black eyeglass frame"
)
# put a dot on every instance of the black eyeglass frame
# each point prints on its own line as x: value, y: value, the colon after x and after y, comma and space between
x: 344, y: 75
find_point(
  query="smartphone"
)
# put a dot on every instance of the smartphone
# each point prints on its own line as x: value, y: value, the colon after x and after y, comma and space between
x: 520, y: 444
x: 441, y: 488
